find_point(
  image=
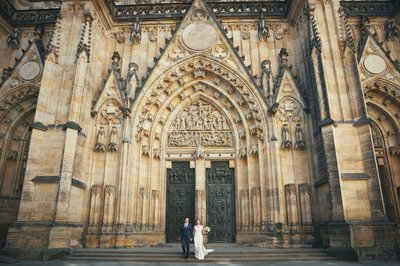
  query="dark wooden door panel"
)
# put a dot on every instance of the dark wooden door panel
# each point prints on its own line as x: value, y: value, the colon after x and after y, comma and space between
x: 221, y: 202
x: 180, y: 198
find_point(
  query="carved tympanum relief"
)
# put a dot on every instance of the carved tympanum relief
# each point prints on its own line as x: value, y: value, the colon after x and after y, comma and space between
x: 200, y: 124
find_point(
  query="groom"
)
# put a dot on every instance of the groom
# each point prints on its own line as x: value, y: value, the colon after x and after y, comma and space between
x: 186, y: 237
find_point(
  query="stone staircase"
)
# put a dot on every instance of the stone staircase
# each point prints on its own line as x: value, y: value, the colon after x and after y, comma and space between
x: 170, y: 253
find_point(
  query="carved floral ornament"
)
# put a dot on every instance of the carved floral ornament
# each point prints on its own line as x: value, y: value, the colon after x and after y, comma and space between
x: 110, y: 113
x: 199, y: 69
x: 289, y: 108
x: 15, y: 96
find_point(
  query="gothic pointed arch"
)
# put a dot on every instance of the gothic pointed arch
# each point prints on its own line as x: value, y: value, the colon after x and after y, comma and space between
x: 20, y: 89
x: 18, y: 103
x: 199, y: 100
x: 380, y: 79
x: 204, y: 77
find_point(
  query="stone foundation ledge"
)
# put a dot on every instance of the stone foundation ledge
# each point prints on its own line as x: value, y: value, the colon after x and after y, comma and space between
x: 354, y: 240
x: 125, y: 240
x: 277, y: 240
x: 42, y: 240
x: 41, y: 254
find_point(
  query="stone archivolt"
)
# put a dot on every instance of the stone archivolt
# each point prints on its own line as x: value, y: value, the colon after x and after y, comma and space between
x: 231, y: 90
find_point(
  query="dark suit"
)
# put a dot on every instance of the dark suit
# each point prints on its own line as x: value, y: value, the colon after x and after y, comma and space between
x: 186, y: 235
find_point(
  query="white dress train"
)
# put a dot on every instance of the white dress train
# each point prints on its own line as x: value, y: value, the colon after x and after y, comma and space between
x: 199, y: 250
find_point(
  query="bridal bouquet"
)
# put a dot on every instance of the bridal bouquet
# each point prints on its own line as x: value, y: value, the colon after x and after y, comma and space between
x: 207, y: 229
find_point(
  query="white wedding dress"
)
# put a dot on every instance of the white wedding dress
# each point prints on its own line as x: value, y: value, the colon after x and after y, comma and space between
x: 199, y: 250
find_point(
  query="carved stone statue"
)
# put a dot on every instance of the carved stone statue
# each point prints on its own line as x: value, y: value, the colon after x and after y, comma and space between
x: 136, y: 32
x: 132, y: 81
x: 299, y: 144
x: 100, y: 146
x: 115, y: 59
x: 199, y: 152
x: 391, y: 30
x: 286, y: 142
x: 266, y: 80
x: 283, y: 57
x: 365, y: 25
x: 13, y: 40
x: 113, y: 146
x: 263, y: 30
x: 39, y: 30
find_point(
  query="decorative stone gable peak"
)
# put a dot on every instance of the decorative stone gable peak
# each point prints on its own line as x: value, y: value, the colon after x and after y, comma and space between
x: 199, y: 34
x: 114, y: 88
x: 375, y: 62
x: 27, y: 69
x: 285, y: 83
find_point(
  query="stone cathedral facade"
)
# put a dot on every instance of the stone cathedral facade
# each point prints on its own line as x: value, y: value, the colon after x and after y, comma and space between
x: 275, y: 122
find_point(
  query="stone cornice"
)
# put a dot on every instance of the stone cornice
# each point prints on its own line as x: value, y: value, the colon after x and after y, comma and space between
x: 248, y: 9
x: 370, y: 8
x: 178, y: 10
x: 27, y: 17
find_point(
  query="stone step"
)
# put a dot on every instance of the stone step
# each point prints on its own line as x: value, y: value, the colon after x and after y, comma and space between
x: 192, y: 259
x: 223, y: 253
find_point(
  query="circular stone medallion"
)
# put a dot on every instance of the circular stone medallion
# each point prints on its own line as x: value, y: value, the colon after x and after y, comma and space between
x: 199, y: 36
x: 29, y: 70
x: 374, y: 64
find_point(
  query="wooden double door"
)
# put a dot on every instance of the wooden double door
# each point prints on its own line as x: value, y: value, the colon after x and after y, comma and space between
x: 220, y: 200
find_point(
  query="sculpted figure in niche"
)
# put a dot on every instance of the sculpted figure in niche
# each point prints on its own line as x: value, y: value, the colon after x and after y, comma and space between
x: 100, y: 140
x: 113, y: 146
x: 266, y: 81
x: 132, y: 82
x: 136, y: 32
x: 391, y: 30
x: 376, y: 137
x: 286, y: 142
x: 13, y: 40
x: 300, y: 144
x: 263, y: 30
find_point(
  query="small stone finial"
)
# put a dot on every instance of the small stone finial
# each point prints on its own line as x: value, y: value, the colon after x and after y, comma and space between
x: 136, y: 32
x: 13, y: 40
x: 263, y: 29
x: 283, y: 57
x: 115, y: 59
x: 6, y: 73
x: 391, y: 30
x: 88, y: 17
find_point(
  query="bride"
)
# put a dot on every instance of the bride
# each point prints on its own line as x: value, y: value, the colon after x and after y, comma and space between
x: 199, y: 250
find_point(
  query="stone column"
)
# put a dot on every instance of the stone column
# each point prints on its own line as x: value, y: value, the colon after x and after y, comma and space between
x: 348, y: 162
x: 60, y: 233
x: 200, y: 203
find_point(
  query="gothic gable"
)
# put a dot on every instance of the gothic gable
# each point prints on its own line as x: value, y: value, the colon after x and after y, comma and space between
x: 112, y: 92
x: 27, y: 69
x: 199, y: 33
x: 287, y: 88
x: 375, y: 63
